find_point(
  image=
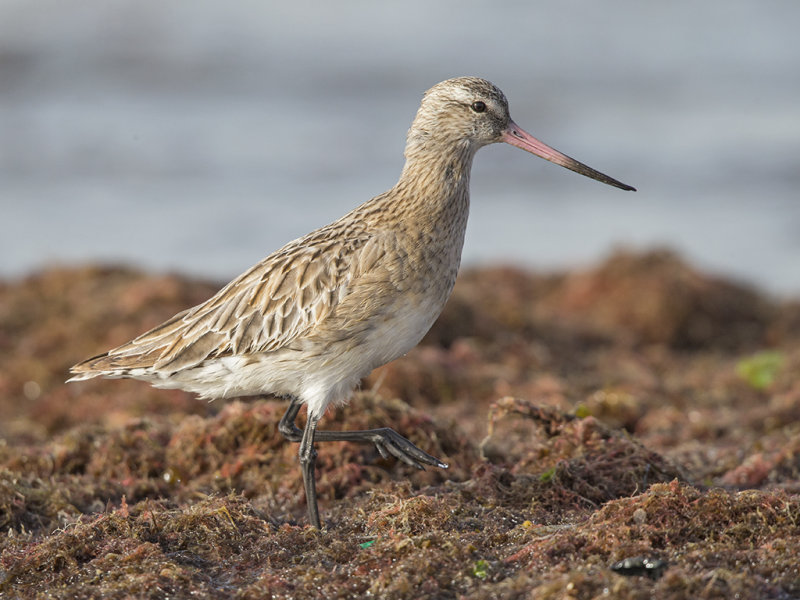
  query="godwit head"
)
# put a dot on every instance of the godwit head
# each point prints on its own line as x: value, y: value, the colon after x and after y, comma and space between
x: 463, y: 114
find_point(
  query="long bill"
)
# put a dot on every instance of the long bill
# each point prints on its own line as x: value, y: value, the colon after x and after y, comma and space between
x: 516, y: 136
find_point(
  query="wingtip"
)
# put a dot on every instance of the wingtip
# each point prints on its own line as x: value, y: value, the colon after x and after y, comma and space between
x: 80, y: 376
x: 85, y: 369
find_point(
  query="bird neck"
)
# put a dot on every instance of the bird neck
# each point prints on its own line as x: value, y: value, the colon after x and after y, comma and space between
x: 429, y: 205
x: 436, y: 173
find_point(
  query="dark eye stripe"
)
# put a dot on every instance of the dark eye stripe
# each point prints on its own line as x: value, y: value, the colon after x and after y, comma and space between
x: 478, y: 106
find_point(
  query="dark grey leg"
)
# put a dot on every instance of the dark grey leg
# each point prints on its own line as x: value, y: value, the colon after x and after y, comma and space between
x: 387, y: 441
x: 308, y: 460
x: 286, y: 426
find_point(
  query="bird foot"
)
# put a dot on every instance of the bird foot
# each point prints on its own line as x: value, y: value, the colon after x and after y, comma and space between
x: 390, y: 443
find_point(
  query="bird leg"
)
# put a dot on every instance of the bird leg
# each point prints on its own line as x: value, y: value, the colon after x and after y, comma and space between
x: 287, y: 427
x: 387, y: 441
x: 308, y: 460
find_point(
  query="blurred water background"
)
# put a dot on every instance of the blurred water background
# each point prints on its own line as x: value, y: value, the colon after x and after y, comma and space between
x: 199, y: 136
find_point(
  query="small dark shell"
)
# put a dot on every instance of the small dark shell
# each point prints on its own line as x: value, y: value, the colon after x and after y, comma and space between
x: 640, y: 565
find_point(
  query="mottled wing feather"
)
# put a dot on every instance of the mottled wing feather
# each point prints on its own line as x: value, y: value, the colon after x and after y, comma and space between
x: 281, y: 298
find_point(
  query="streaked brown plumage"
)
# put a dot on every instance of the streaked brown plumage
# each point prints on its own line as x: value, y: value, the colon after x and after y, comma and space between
x: 316, y: 316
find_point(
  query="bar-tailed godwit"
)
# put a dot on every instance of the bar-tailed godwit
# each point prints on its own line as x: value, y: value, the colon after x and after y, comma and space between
x: 312, y: 319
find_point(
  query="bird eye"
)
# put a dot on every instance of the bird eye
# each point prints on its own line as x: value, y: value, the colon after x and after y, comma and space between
x: 478, y: 106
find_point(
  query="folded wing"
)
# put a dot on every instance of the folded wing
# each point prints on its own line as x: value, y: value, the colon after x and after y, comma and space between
x: 278, y: 300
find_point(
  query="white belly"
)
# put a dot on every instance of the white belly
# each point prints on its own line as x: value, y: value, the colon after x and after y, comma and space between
x: 316, y: 373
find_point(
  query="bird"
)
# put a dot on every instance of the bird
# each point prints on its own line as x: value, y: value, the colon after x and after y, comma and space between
x: 316, y: 316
